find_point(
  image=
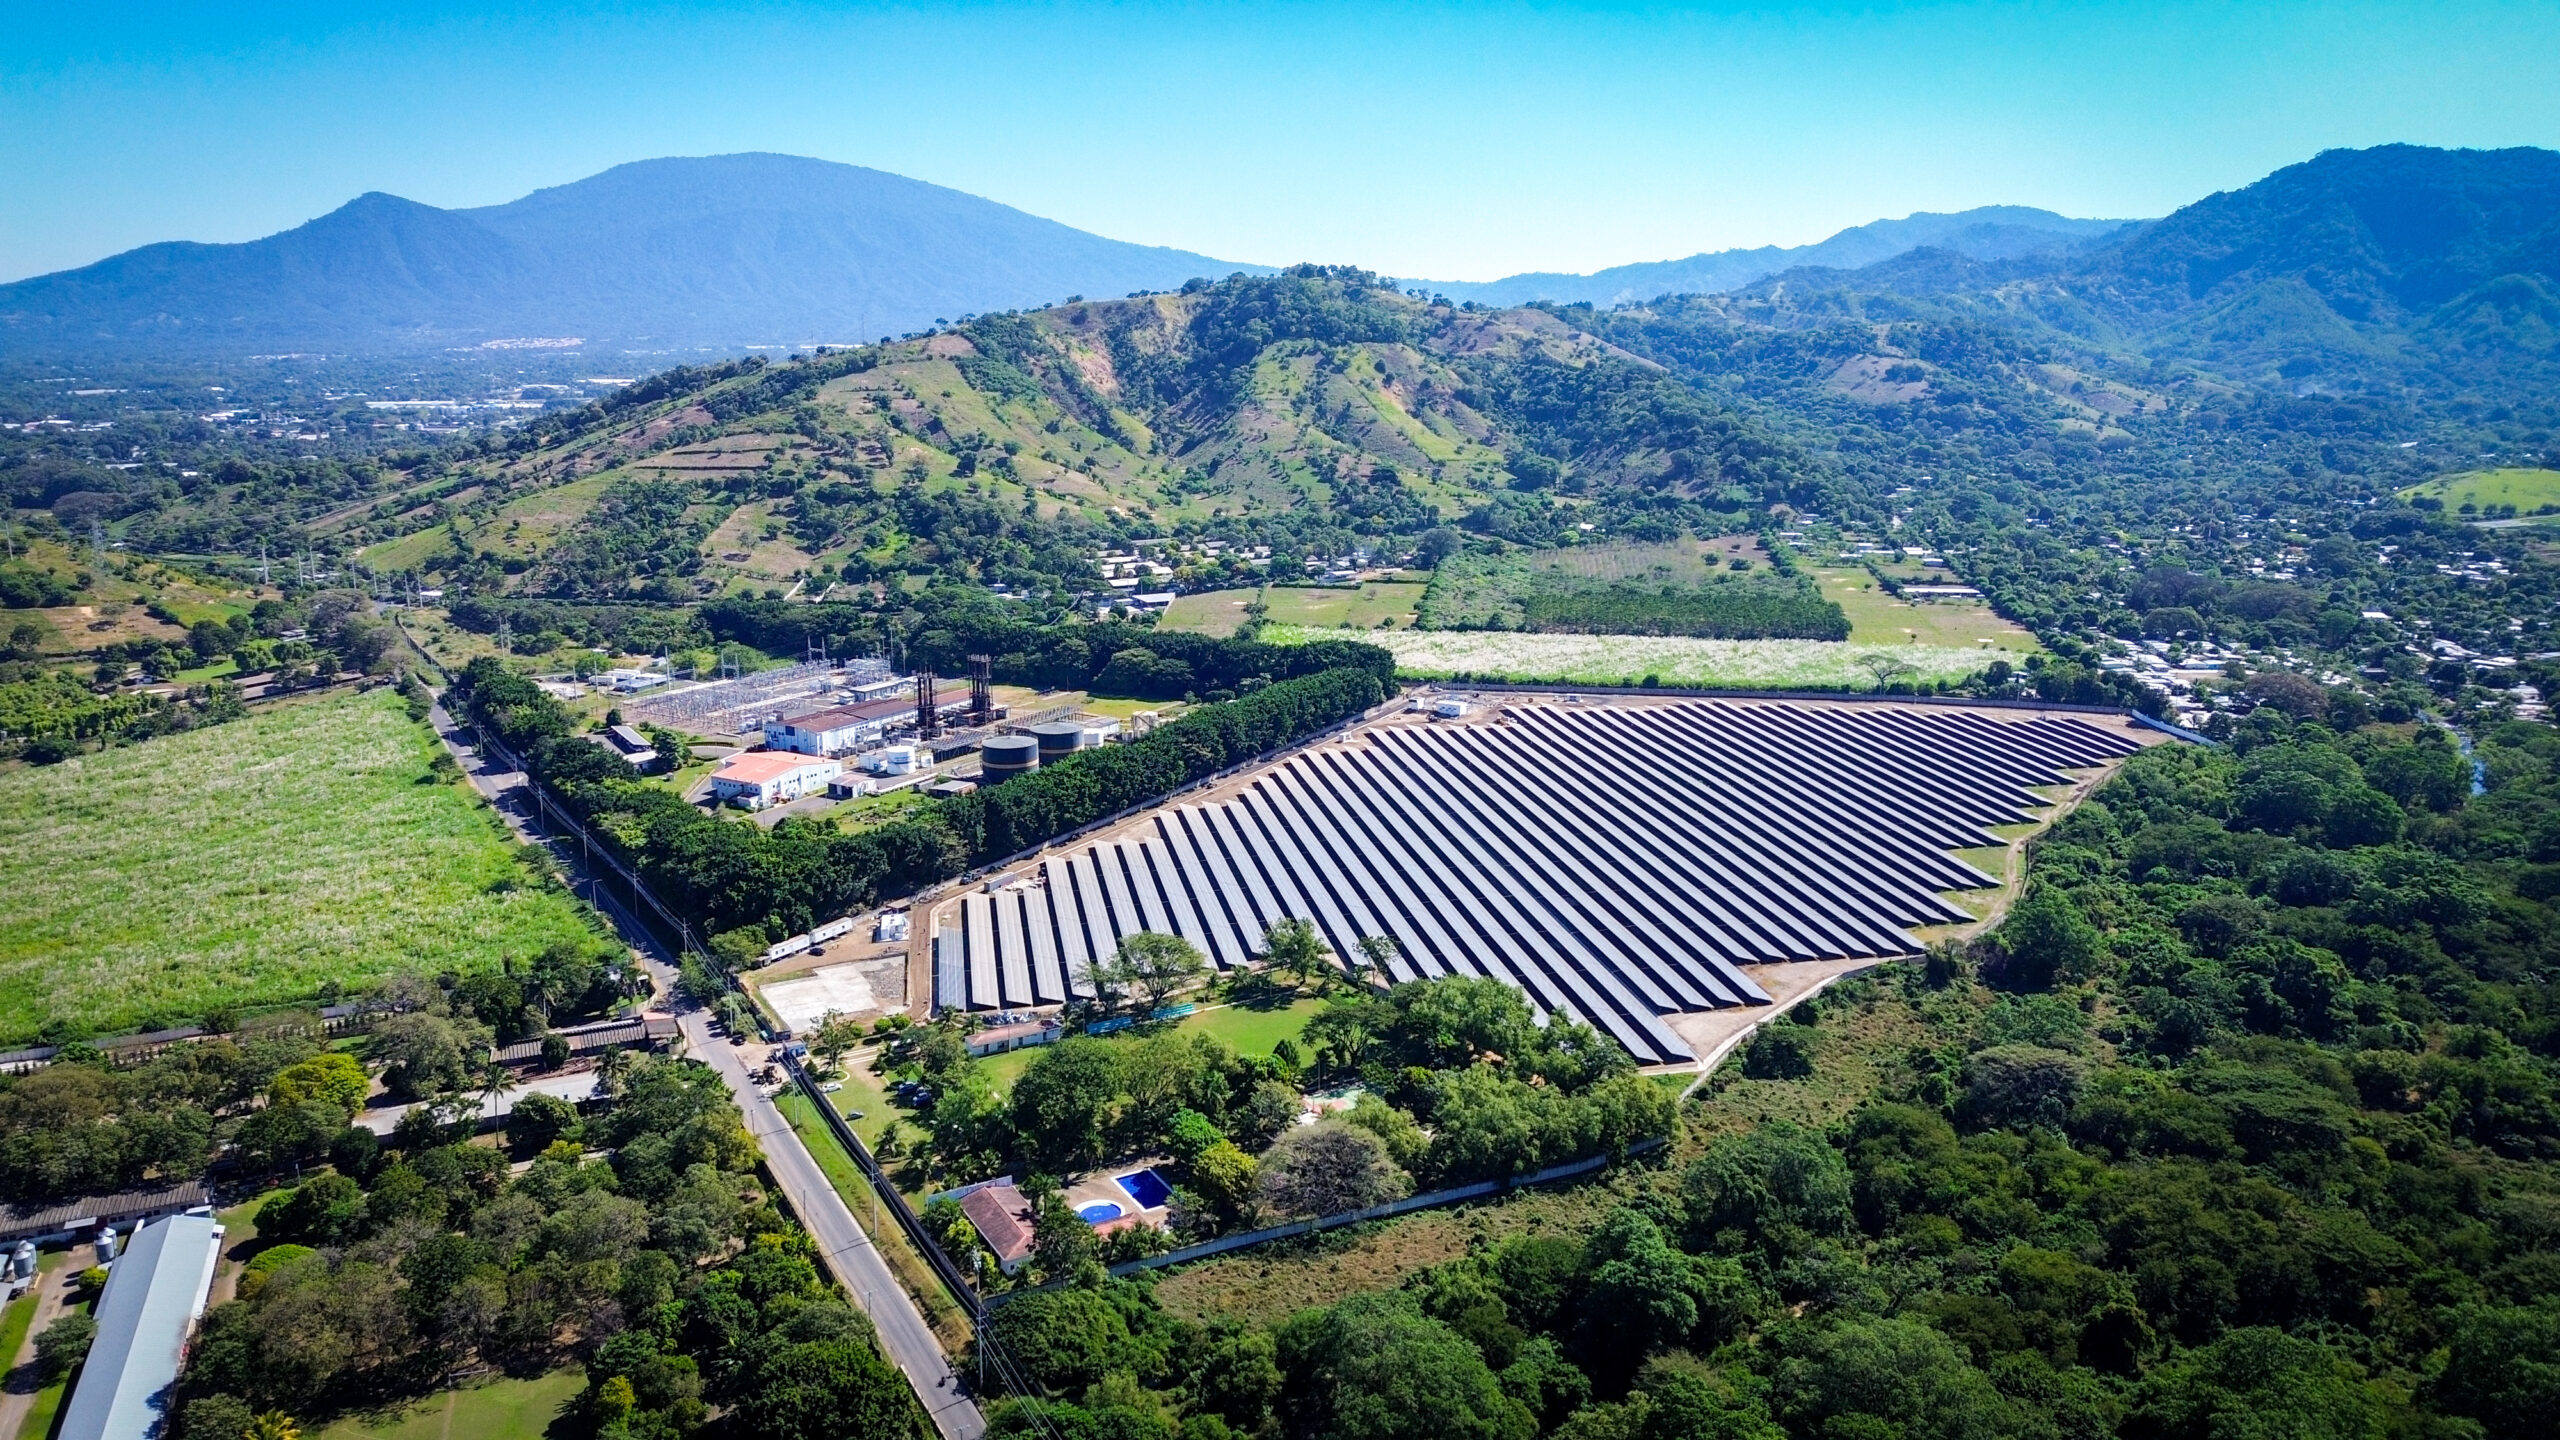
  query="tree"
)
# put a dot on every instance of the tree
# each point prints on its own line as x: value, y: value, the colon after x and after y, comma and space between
x: 1763, y: 1186
x: 827, y: 1390
x: 2044, y: 939
x: 422, y: 1052
x: 1224, y: 1177
x: 2021, y: 1085
x: 1778, y: 1051
x: 1159, y: 966
x: 1329, y: 1168
x: 62, y: 1345
x: 1375, y: 1368
x: 1887, y: 1377
x: 538, y: 1119
x: 272, y: 1425
x: 2258, y: 1382
x: 1061, y: 1241
x: 1375, y: 952
x: 334, y: 1077
x: 1059, y: 1104
x: 1887, y: 669
x: 1295, y: 948
x: 836, y: 1037
x: 1064, y: 1339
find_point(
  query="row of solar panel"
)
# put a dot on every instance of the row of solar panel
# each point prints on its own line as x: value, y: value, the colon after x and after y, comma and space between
x: 1619, y: 864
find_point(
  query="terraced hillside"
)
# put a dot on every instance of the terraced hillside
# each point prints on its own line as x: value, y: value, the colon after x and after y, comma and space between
x: 1311, y: 411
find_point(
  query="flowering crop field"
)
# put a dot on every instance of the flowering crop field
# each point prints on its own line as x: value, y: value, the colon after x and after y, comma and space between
x: 1673, y: 659
x: 249, y: 864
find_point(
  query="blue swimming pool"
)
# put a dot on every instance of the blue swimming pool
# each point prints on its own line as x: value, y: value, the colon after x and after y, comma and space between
x: 1095, y: 1212
x: 1146, y: 1187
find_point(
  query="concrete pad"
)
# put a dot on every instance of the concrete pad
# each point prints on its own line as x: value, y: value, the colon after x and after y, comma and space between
x: 803, y: 1000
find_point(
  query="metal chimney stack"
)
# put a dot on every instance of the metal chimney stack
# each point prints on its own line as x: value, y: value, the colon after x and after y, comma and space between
x: 982, y: 700
x: 928, y: 714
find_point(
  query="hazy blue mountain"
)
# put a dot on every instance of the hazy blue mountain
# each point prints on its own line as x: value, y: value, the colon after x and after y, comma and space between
x: 1991, y: 232
x: 722, y: 251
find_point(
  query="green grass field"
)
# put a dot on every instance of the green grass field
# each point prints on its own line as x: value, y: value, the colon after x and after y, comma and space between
x: 1674, y: 660
x: 14, y: 1324
x: 499, y: 1409
x: 1214, y: 613
x: 1876, y: 618
x: 249, y: 864
x: 2526, y: 489
x: 1246, y: 1031
x: 1219, y: 612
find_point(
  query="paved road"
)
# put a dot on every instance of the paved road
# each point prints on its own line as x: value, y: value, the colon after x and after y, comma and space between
x: 849, y: 1251
x: 904, y: 1336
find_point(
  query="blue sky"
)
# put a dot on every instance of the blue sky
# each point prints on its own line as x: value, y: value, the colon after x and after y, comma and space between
x: 1448, y: 142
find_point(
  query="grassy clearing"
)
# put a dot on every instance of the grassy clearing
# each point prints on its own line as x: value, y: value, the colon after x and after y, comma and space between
x: 1627, y: 659
x: 1362, y: 609
x: 1220, y: 612
x: 1876, y: 618
x: 251, y: 864
x: 950, y: 1324
x: 500, y: 1409
x: 2525, y: 488
x: 1215, y: 613
x: 1246, y: 1030
x: 522, y: 528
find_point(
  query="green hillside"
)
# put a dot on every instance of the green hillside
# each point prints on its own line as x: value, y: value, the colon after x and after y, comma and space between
x: 1313, y: 411
x: 2512, y: 490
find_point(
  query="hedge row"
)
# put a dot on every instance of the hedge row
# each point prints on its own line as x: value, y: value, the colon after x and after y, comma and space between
x: 1112, y: 659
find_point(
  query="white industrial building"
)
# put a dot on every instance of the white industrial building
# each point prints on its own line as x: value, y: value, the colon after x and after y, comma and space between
x: 155, y: 1292
x: 771, y: 777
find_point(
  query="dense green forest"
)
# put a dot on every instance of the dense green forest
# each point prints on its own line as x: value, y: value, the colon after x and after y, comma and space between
x: 638, y: 1241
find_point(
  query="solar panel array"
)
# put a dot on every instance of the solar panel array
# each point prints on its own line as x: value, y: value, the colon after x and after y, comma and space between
x: 1619, y: 863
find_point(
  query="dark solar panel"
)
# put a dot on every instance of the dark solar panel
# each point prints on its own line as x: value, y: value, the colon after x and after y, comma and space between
x: 1617, y: 863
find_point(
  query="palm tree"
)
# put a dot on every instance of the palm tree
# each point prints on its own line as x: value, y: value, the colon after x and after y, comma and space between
x: 273, y: 1425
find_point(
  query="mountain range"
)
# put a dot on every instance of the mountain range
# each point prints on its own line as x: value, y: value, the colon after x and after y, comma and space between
x: 672, y: 254
x: 1989, y: 232
x: 734, y: 250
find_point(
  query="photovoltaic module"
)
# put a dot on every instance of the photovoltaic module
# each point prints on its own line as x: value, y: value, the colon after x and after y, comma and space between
x: 1618, y: 862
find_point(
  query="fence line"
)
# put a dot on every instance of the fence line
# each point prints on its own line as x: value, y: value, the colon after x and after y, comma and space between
x: 878, y: 1179
x: 1455, y: 1194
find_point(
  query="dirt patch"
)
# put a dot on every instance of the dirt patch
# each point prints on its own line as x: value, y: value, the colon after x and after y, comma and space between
x: 1870, y: 380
